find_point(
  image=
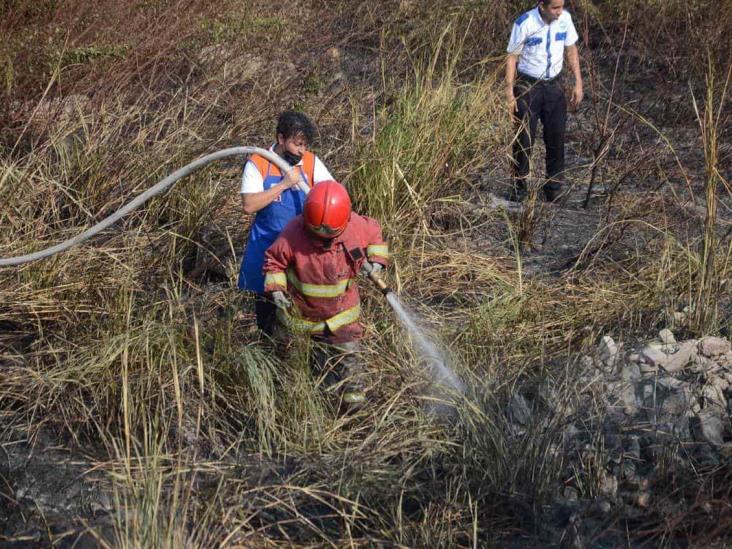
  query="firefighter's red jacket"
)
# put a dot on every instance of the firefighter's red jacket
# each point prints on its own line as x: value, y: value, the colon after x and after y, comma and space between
x: 321, y: 275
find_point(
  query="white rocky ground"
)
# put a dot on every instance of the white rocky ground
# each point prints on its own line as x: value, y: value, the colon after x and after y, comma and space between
x: 638, y: 414
x: 678, y: 389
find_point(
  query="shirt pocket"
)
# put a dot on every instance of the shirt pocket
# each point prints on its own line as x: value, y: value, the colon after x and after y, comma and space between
x: 533, y: 41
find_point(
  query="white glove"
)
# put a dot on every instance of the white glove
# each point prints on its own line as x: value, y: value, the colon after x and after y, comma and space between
x: 369, y: 267
x: 280, y: 300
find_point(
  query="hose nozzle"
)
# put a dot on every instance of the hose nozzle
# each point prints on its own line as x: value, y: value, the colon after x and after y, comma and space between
x: 376, y: 279
x: 380, y: 284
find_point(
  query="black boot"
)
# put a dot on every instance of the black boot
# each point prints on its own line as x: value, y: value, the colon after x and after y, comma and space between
x: 517, y: 192
x: 551, y: 194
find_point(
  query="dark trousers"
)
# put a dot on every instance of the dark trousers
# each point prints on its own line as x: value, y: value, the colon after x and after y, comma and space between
x: 265, y: 311
x: 543, y: 101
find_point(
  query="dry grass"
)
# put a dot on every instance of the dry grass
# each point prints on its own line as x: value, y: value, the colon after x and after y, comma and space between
x: 208, y: 434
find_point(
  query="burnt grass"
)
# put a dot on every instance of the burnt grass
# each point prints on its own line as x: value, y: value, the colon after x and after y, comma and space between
x: 54, y: 486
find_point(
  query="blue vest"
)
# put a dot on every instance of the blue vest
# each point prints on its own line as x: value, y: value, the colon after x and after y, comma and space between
x: 269, y: 222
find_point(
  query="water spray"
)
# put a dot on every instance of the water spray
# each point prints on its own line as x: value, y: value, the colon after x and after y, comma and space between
x: 426, y: 348
x: 441, y: 371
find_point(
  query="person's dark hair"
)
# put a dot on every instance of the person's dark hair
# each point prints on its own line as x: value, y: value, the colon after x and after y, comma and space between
x: 293, y: 123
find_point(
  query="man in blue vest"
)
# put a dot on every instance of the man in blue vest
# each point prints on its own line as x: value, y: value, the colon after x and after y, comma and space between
x: 539, y: 39
x: 275, y: 199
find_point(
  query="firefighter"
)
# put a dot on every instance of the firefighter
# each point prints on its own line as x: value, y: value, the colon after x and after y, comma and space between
x: 275, y: 199
x: 310, y: 274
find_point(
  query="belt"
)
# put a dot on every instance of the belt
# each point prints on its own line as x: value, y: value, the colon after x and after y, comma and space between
x: 532, y: 80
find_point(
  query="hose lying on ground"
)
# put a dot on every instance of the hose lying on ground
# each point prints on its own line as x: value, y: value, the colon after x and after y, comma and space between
x: 144, y: 197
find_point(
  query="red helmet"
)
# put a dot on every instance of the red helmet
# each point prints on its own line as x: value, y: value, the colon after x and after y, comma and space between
x: 327, y: 209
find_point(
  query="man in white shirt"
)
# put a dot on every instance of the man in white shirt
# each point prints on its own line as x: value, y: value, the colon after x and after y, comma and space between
x: 539, y: 39
x: 275, y: 199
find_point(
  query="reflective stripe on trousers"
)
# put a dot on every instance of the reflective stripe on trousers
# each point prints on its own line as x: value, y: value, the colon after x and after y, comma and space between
x: 333, y: 323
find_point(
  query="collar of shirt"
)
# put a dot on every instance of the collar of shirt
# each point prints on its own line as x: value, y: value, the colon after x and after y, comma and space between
x: 537, y: 15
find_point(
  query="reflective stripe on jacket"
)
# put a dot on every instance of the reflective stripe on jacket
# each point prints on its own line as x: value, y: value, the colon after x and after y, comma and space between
x: 321, y: 276
x: 270, y: 220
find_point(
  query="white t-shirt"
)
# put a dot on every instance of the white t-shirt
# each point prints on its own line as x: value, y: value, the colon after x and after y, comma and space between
x: 540, y: 47
x: 253, y: 182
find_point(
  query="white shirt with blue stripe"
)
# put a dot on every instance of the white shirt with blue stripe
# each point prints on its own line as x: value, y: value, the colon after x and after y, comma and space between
x: 540, y: 46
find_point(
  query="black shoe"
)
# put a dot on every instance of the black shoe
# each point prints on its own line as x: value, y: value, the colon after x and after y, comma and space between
x: 516, y: 195
x: 551, y: 195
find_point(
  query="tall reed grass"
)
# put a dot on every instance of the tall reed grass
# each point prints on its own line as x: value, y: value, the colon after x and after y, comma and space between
x: 430, y: 141
x: 706, y: 308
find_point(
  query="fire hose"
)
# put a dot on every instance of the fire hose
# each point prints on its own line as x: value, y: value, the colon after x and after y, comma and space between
x: 158, y: 189
x: 144, y: 197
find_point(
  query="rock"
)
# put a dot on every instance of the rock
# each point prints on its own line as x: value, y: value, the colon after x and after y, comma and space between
x: 725, y: 361
x: 587, y: 362
x: 667, y: 337
x: 608, y: 485
x: 623, y: 395
x: 667, y: 342
x: 711, y: 346
x: 726, y: 450
x: 648, y: 369
x: 670, y: 358
x: 670, y: 383
x: 570, y: 494
x: 681, y: 358
x: 706, y: 455
x: 703, y: 364
x: 607, y: 350
x: 678, y: 403
x: 653, y: 355
x: 719, y: 382
x: 709, y: 428
x: 631, y: 372
x: 714, y: 398
x: 519, y: 410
